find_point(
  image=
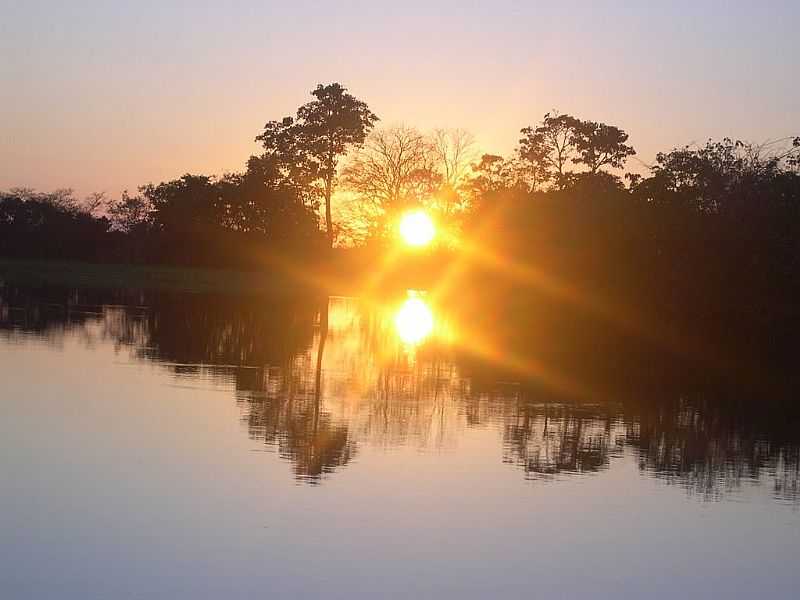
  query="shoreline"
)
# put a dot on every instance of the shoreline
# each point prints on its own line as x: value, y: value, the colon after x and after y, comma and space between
x: 151, y: 277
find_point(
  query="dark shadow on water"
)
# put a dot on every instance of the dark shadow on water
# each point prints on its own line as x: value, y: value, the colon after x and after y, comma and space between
x: 316, y: 379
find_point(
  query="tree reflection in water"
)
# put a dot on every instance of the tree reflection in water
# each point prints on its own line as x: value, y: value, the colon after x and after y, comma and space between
x: 316, y: 379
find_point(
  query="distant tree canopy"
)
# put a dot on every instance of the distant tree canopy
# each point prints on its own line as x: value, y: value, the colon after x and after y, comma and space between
x: 55, y: 225
x: 196, y: 219
x: 721, y: 177
x: 218, y: 220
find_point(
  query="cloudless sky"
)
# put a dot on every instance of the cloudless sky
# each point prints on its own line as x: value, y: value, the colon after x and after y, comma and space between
x: 111, y: 95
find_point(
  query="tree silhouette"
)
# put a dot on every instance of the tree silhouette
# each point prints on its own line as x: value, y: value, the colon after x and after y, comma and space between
x: 454, y: 152
x: 130, y: 214
x: 549, y: 147
x: 600, y: 145
x: 713, y: 178
x: 287, y: 160
x: 793, y: 156
x: 56, y: 226
x: 325, y: 129
x: 395, y: 168
x: 493, y: 173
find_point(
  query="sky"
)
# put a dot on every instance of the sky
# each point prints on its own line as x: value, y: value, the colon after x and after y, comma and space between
x: 106, y: 96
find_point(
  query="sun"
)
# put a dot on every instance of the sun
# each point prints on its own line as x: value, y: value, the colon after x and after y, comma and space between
x: 417, y: 228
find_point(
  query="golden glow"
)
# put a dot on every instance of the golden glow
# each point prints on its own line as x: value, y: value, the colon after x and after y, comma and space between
x: 417, y: 228
x: 414, y: 321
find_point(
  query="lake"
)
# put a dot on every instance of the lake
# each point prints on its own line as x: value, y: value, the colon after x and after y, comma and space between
x: 168, y: 445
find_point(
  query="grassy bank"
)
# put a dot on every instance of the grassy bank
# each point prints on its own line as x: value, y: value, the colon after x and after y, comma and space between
x: 345, y: 272
x: 150, y: 277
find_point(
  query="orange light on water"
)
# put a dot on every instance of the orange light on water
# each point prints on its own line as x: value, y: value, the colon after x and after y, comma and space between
x: 414, y: 321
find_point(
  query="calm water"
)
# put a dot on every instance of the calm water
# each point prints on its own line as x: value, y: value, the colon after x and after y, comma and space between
x: 188, y: 446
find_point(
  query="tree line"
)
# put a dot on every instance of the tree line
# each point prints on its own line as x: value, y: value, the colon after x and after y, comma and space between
x: 566, y: 173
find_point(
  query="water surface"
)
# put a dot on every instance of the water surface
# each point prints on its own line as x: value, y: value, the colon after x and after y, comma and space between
x: 166, y: 445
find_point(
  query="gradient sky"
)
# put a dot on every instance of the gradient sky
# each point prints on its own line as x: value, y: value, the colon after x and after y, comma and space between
x: 111, y: 95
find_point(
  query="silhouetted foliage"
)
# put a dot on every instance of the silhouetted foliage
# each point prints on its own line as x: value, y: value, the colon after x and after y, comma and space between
x: 600, y: 145
x: 549, y: 147
x: 131, y: 214
x: 546, y: 150
x: 399, y: 168
x: 50, y: 226
x: 311, y: 145
x: 493, y: 174
x: 395, y: 169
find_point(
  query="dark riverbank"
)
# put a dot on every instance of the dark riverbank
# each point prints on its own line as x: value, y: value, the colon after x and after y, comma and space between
x: 343, y: 272
x: 149, y: 277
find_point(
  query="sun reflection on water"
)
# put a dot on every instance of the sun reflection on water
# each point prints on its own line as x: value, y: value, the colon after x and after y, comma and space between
x: 414, y: 321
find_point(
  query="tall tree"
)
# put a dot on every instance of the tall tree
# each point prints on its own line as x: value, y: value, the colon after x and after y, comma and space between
x: 325, y: 129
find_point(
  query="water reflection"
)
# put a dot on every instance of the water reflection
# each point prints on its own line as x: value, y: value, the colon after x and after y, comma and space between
x: 414, y: 320
x: 317, y: 380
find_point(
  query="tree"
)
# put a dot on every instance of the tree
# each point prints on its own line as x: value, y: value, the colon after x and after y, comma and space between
x: 287, y: 160
x: 793, y: 156
x: 49, y: 225
x: 600, y: 145
x: 720, y: 177
x: 62, y: 198
x: 549, y: 147
x: 95, y: 203
x: 325, y: 129
x: 700, y: 178
x: 393, y: 169
x: 184, y: 204
x: 130, y: 214
x: 494, y: 173
x: 260, y: 202
x: 454, y: 152
x: 531, y: 165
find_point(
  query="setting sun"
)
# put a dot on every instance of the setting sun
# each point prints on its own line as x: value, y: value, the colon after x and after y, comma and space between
x: 417, y: 228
